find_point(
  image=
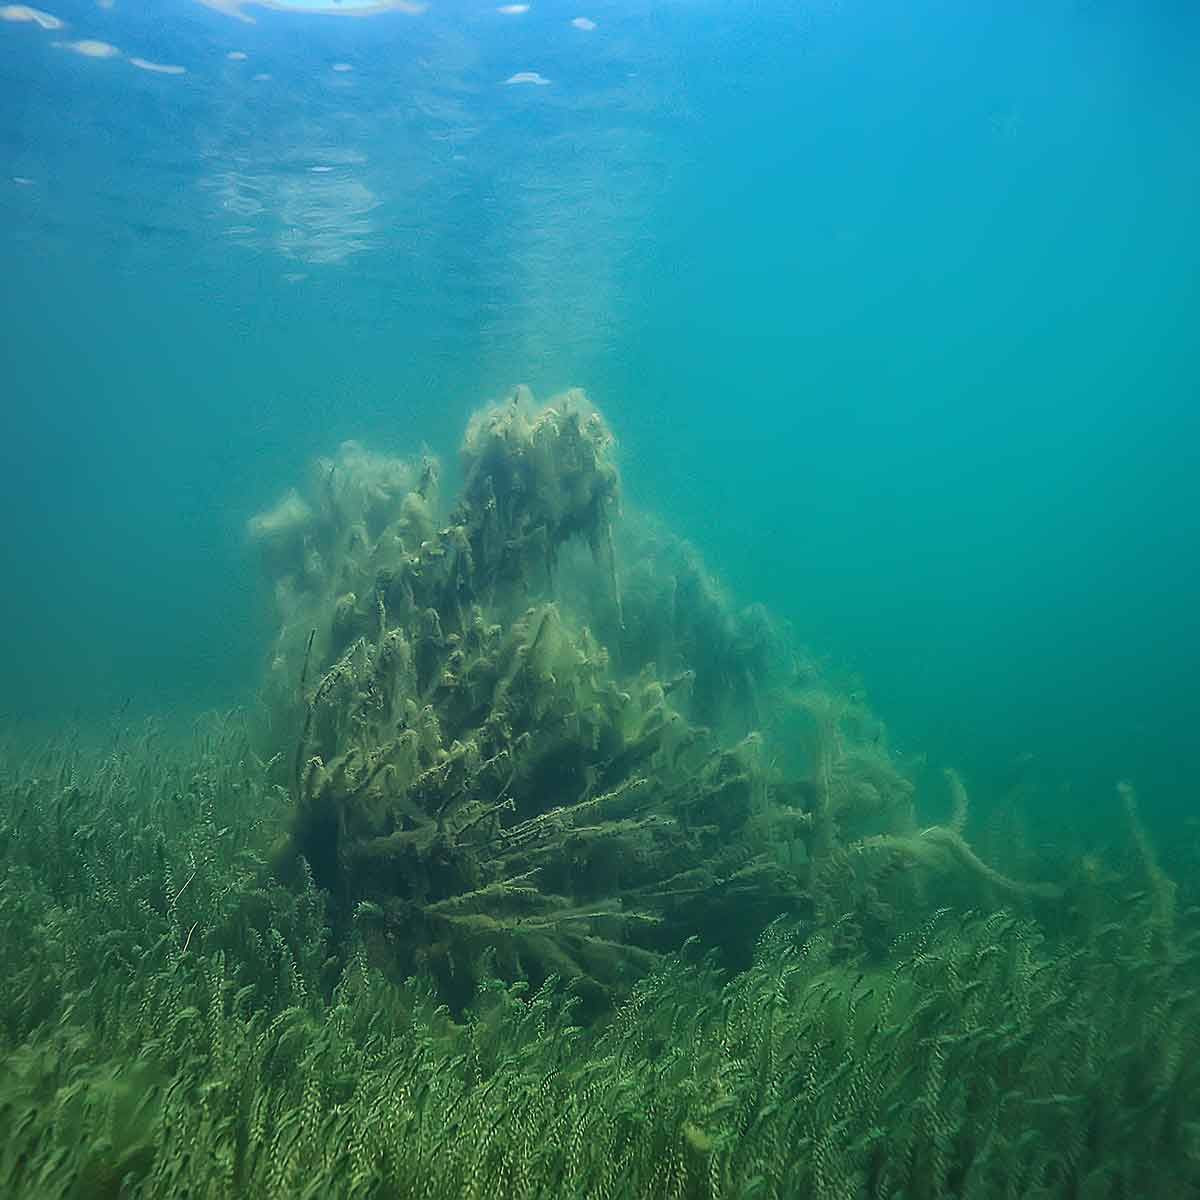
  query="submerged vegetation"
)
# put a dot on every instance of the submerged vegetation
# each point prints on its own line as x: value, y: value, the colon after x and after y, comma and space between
x: 543, y: 871
x: 507, y: 759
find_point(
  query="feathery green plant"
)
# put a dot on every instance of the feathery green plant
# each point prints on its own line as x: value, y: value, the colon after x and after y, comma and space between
x: 173, y: 1022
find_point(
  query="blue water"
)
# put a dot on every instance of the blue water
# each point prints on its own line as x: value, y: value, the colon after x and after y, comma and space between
x: 891, y: 305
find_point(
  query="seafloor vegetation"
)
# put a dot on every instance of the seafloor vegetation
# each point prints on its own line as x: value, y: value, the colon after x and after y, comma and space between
x: 541, y: 870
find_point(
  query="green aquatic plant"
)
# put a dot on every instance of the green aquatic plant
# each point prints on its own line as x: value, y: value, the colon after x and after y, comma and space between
x: 525, y: 883
x: 172, y: 1022
x: 474, y: 771
x: 469, y: 774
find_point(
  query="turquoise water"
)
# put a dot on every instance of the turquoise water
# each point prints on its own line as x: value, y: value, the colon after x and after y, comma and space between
x: 891, y: 307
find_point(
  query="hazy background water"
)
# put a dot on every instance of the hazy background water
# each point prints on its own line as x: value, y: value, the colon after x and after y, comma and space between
x: 893, y: 308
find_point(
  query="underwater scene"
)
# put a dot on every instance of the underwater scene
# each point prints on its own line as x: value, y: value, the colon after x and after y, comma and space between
x: 600, y: 599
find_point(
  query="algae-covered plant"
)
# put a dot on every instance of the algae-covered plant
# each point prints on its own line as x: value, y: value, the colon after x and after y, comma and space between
x: 542, y: 870
x: 493, y: 767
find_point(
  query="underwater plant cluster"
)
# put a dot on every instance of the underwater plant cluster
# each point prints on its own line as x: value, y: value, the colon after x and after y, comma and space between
x: 508, y: 759
x: 542, y: 869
